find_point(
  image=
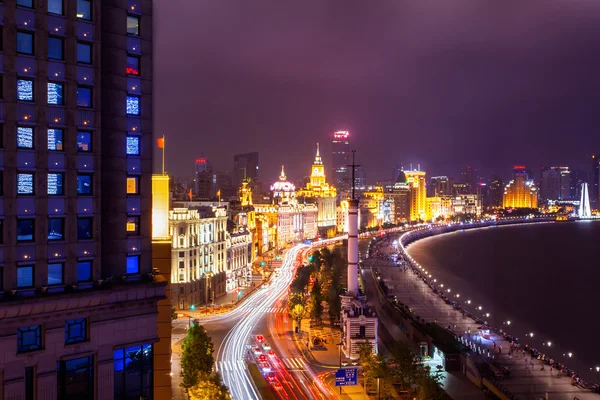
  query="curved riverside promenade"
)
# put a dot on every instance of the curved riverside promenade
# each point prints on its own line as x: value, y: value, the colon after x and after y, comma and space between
x: 501, y: 364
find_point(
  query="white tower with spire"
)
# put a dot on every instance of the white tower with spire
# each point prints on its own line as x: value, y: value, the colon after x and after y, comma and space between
x: 585, y: 210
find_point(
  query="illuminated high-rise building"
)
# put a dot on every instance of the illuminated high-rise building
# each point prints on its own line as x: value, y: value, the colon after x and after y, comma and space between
x: 340, y: 158
x: 418, y: 194
x: 521, y: 191
x: 594, y: 188
x: 555, y: 183
x: 495, y: 192
x: 469, y: 176
x: 78, y: 293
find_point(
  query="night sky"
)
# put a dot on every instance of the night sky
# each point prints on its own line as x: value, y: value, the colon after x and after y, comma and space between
x: 441, y: 83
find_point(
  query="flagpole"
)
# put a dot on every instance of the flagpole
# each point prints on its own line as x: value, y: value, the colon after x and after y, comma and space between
x: 163, y: 154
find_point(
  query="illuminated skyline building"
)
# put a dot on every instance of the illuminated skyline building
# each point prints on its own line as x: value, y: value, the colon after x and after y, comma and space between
x: 340, y: 158
x: 400, y: 195
x: 78, y: 293
x: 418, y: 194
x: 521, y: 191
x: 594, y: 187
x: 555, y: 183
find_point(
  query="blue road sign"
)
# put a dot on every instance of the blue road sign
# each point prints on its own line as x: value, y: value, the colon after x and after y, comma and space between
x: 346, y: 377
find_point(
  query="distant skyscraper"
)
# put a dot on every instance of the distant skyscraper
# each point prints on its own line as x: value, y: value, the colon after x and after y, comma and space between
x: 418, y: 194
x: 200, y: 167
x: 577, y: 178
x: 555, y: 183
x: 340, y: 158
x: 245, y: 166
x: 520, y: 191
x: 469, y: 176
x: 595, y: 181
x: 495, y: 192
x: 439, y: 186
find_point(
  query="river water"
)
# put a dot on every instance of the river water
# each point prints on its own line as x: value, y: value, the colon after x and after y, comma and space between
x: 543, y: 278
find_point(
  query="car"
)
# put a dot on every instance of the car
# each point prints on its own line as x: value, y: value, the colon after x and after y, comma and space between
x: 271, y: 353
x: 266, y: 346
x: 276, y: 385
x: 257, y: 351
x: 263, y: 359
x: 265, y: 367
x: 270, y: 377
x: 344, y: 363
x: 259, y: 338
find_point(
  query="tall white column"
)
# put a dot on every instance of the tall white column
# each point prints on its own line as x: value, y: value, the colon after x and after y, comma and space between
x: 353, y: 248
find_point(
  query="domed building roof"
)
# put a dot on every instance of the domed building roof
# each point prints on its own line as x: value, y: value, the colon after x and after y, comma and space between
x: 283, y: 185
x: 401, y: 177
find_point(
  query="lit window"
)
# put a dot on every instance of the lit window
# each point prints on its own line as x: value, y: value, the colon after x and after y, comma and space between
x: 55, y: 139
x: 133, y: 105
x: 55, y: 48
x: 55, y: 7
x: 24, y: 183
x: 133, y: 225
x: 84, y: 53
x: 84, y: 271
x: 55, y: 184
x: 75, y: 330
x: 84, y: 141
x: 133, y: 185
x: 84, y: 184
x: 25, y: 89
x: 133, y: 25
x: 133, y: 145
x: 84, y: 228
x: 84, y: 96
x: 55, y: 93
x: 24, y: 137
x: 133, y: 368
x: 29, y: 338
x: 133, y: 264
x: 24, y: 276
x: 56, y: 229
x: 133, y: 65
x: 24, y: 42
x: 25, y: 230
x: 25, y: 3
x: 55, y: 274
x: 84, y: 9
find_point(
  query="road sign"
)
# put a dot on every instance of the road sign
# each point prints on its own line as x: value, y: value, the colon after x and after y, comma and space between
x: 346, y: 377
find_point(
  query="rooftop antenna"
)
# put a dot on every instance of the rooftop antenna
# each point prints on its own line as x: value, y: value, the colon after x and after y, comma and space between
x: 353, y: 165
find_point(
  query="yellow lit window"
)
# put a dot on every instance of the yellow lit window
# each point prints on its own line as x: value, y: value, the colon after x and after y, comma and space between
x: 132, y: 185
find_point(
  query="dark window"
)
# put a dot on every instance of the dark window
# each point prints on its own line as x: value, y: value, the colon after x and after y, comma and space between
x: 55, y: 7
x: 1, y: 279
x: 55, y: 139
x: 84, y: 53
x: 133, y: 372
x: 133, y: 264
x: 76, y: 378
x: 25, y: 230
x: 25, y: 3
x: 24, y: 276
x: 29, y: 383
x: 75, y: 330
x: 55, y: 47
x: 133, y: 65
x: 84, y: 228
x: 1, y: 79
x: 182, y: 254
x: 133, y: 105
x: 133, y: 25
x: 55, y: 274
x: 55, y: 184
x: 55, y: 93
x: 1, y: 129
x: 133, y: 145
x: 84, y: 141
x: 24, y: 42
x: 133, y: 225
x: 25, y: 89
x: 84, y: 271
x: 56, y: 229
x: 29, y: 338
x: 84, y: 9
x: 84, y: 97
x: 133, y: 185
x: 24, y: 137
x: 84, y: 185
x: 1, y: 241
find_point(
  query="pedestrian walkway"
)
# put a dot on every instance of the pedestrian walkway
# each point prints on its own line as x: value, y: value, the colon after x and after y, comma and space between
x: 526, y: 381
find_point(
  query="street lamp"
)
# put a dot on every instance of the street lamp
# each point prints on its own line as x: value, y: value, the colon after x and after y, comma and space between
x: 530, y: 334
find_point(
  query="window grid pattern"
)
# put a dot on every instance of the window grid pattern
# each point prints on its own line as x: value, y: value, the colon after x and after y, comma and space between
x: 29, y: 338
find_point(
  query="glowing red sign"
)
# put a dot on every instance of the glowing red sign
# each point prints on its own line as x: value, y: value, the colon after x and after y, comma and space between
x: 341, y: 134
x: 132, y: 71
x: 200, y: 160
x: 519, y: 167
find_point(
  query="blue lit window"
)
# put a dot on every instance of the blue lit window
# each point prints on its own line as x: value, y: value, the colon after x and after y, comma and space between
x: 85, y: 228
x: 25, y: 3
x: 55, y: 7
x: 25, y: 183
x: 75, y: 330
x: 84, y: 9
x: 55, y: 93
x: 84, y: 96
x: 133, y: 264
x: 55, y: 139
x: 133, y: 105
x: 84, y: 271
x: 25, y: 276
x: 24, y: 42
x: 29, y: 338
x: 24, y: 137
x: 55, y: 184
x: 55, y: 274
x: 25, y: 230
x: 84, y: 185
x: 84, y: 53
x: 133, y: 65
x: 133, y: 145
x: 56, y: 228
x: 133, y: 368
x: 84, y: 141
x: 25, y: 89
x: 55, y: 48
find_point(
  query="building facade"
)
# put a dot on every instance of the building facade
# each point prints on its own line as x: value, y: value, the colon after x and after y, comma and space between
x: 340, y: 158
x: 418, y: 194
x: 521, y: 191
x: 78, y: 297
x: 400, y: 193
x: 555, y: 183
x: 245, y: 166
x: 239, y: 259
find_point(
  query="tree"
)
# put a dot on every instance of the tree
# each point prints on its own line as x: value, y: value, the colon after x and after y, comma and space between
x: 173, y: 314
x: 297, y: 306
x: 316, y: 308
x: 197, y: 355
x: 210, y: 388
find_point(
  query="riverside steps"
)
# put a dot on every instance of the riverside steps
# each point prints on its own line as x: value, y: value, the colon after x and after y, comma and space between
x: 409, y: 298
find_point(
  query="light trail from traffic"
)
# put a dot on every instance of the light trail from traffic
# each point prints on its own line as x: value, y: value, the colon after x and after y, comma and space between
x: 230, y: 360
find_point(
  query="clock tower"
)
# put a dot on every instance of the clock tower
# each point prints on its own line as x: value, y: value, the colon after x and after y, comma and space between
x: 317, y: 176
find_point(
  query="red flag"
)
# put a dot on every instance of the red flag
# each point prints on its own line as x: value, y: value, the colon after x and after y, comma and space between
x: 161, y: 143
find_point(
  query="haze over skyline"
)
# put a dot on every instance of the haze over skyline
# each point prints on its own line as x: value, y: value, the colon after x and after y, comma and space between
x: 443, y: 85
